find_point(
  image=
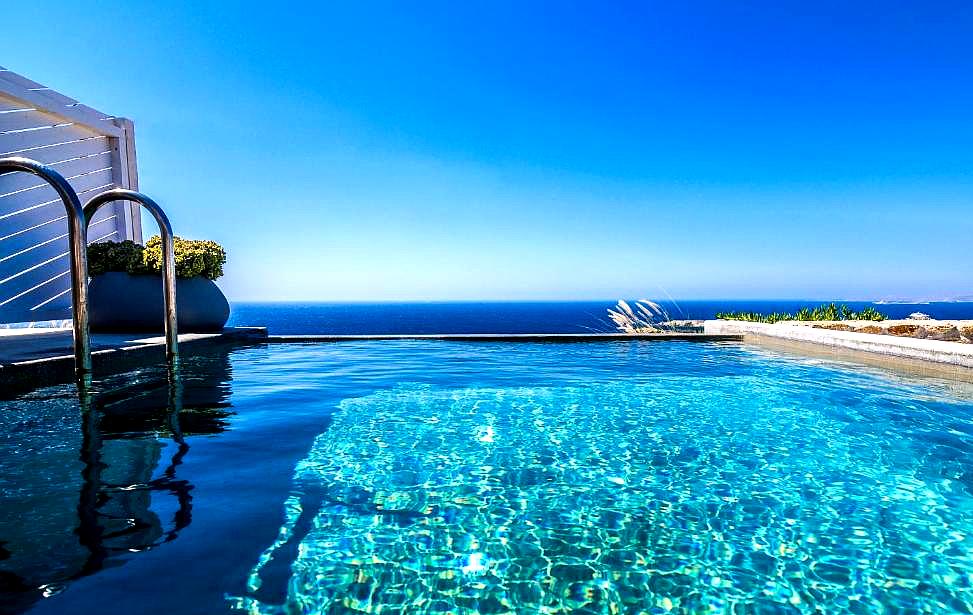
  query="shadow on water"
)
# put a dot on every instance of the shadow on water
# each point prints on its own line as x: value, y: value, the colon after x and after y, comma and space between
x: 94, y: 477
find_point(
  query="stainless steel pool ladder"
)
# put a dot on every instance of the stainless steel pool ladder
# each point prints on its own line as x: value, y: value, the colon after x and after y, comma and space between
x: 168, y: 255
x: 78, y: 218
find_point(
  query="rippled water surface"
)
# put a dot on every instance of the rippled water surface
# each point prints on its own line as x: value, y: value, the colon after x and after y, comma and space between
x: 432, y: 477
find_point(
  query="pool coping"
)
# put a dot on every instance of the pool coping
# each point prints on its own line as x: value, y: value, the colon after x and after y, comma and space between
x: 512, y: 337
x: 20, y: 376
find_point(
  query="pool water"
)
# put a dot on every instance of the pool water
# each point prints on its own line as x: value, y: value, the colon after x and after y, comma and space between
x: 438, y: 477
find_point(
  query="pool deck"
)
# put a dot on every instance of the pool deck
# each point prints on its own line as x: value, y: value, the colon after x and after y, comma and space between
x: 941, y: 358
x: 38, y: 357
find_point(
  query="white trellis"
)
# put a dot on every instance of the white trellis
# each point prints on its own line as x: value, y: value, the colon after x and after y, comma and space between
x: 95, y: 152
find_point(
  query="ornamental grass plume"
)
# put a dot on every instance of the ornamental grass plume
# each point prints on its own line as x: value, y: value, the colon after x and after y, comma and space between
x: 646, y: 317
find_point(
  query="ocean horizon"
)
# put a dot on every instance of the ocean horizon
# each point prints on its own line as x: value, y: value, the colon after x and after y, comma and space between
x: 418, y: 318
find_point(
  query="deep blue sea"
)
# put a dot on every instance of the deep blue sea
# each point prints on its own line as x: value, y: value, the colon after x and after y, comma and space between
x: 513, y: 317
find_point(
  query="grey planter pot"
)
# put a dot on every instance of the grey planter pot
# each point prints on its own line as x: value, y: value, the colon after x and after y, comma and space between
x: 123, y: 303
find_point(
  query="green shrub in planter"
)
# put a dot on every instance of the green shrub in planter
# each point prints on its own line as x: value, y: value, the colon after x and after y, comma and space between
x: 125, y: 290
x: 193, y: 257
x: 125, y: 256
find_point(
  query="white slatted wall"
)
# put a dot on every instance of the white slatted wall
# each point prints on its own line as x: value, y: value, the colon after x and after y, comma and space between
x: 94, y: 152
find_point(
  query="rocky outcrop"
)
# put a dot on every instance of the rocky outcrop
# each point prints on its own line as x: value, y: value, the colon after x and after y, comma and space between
x: 946, y: 333
x: 835, y: 327
x: 967, y: 335
x: 943, y: 331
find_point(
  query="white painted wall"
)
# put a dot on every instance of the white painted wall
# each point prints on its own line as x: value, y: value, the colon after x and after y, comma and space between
x: 95, y: 152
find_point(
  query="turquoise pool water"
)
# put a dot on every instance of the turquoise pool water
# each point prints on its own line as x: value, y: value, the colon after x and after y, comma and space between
x: 433, y: 477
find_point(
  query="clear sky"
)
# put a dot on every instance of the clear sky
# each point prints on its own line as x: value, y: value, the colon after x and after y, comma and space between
x: 541, y: 150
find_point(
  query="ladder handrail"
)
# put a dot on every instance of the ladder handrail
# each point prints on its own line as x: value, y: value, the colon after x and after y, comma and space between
x: 77, y: 242
x: 168, y: 255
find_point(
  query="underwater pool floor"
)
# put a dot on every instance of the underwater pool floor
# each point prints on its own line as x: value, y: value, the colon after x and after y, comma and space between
x: 435, y: 477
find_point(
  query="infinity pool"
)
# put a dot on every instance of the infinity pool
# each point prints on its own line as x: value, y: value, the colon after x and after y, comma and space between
x: 438, y: 477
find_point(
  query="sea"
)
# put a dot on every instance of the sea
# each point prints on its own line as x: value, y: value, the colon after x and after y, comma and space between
x: 517, y: 317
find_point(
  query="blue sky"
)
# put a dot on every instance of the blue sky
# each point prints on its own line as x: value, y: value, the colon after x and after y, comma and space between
x: 369, y: 151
